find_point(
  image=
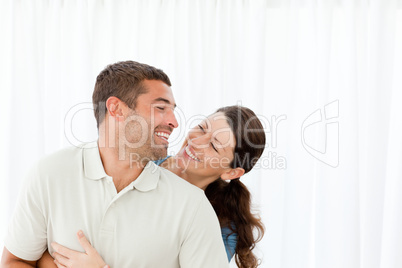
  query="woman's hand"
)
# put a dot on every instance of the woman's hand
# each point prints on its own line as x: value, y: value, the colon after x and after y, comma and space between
x: 65, y: 257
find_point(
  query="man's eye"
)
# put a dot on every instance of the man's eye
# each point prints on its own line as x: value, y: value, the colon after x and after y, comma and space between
x: 161, y: 108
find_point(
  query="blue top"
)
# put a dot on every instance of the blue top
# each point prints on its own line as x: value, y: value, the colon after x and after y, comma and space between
x: 160, y: 161
x: 230, y: 241
x: 229, y: 238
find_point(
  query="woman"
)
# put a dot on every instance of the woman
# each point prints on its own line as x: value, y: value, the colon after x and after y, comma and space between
x: 214, y: 156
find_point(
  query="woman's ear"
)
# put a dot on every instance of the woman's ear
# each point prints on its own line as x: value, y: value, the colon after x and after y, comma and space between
x: 232, y: 174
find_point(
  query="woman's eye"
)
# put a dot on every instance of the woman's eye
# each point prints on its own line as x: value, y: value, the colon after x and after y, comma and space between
x: 214, y: 147
x: 201, y: 128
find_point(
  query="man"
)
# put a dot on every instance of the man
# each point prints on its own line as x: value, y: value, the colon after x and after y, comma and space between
x: 133, y: 212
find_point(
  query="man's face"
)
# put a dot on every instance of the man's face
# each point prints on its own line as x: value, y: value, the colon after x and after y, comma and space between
x: 148, y: 127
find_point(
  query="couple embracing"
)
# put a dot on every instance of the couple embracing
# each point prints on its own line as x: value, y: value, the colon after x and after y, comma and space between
x: 98, y: 206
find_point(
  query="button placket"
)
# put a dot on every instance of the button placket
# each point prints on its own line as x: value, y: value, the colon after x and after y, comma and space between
x: 107, y: 225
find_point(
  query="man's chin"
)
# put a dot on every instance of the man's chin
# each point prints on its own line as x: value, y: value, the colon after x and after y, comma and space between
x: 159, y: 154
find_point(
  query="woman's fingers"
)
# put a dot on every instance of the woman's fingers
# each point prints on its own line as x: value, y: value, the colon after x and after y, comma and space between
x: 61, y: 260
x: 58, y: 264
x: 84, y: 242
x: 66, y: 252
x: 65, y: 257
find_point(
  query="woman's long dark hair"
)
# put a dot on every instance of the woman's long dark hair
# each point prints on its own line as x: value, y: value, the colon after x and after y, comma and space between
x: 232, y: 201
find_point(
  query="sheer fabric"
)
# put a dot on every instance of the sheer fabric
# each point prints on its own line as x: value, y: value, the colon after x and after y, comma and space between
x: 324, y: 76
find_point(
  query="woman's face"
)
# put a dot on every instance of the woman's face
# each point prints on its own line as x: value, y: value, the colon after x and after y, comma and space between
x: 208, y: 149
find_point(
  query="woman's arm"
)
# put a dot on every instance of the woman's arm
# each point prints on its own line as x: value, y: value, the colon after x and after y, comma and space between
x: 46, y: 261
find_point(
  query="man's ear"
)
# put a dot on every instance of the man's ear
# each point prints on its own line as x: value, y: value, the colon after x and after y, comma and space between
x: 115, y: 108
x: 233, y: 173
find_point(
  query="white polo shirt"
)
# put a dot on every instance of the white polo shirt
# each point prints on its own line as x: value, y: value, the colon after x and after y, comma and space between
x: 159, y: 220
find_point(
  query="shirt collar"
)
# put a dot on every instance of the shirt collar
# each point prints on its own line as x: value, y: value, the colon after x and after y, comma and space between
x: 93, y: 167
x: 148, y: 179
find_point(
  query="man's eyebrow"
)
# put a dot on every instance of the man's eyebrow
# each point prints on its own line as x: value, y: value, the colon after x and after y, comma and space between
x: 165, y: 100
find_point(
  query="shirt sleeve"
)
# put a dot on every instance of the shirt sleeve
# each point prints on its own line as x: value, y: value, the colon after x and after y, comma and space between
x: 203, y: 245
x: 26, y: 236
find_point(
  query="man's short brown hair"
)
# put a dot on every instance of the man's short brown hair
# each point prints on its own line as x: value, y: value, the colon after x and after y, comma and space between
x: 124, y: 81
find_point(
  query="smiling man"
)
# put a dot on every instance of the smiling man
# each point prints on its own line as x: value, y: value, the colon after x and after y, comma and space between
x: 133, y: 212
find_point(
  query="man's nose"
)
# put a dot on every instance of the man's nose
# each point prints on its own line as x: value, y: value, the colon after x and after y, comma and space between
x: 171, y: 120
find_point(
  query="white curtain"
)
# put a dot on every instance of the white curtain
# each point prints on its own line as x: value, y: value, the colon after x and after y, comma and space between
x: 325, y: 77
